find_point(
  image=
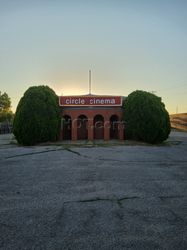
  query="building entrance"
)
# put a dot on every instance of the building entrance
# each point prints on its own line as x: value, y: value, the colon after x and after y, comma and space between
x: 66, y: 127
x: 98, y: 127
x: 82, y: 127
x: 114, y: 122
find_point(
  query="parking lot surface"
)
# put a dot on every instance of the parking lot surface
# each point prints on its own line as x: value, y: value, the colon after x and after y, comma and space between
x: 104, y: 197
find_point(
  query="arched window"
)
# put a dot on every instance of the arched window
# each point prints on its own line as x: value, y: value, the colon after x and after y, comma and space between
x: 66, y: 127
x: 114, y: 123
x: 98, y: 127
x: 82, y: 127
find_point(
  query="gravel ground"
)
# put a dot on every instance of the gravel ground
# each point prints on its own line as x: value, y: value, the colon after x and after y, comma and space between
x: 114, y: 197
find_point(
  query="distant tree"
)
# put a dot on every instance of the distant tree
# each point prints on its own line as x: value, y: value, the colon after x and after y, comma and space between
x: 6, y: 115
x: 145, y: 117
x: 5, y: 102
x: 37, y: 118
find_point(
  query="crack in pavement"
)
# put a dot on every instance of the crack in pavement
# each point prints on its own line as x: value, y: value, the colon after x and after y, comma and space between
x: 109, y: 199
x: 144, y: 161
x: 58, y: 225
x: 118, y: 200
x: 171, y: 197
x: 74, y: 152
x: 34, y: 153
x: 58, y: 221
x: 99, y: 159
x: 177, y: 217
x: 46, y: 151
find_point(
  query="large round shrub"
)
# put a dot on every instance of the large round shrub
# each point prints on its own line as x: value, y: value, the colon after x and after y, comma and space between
x: 145, y: 117
x: 37, y: 118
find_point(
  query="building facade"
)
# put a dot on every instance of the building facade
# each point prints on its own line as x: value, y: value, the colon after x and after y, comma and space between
x: 91, y: 117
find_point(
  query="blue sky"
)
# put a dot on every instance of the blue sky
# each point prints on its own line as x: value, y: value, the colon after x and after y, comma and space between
x: 128, y: 45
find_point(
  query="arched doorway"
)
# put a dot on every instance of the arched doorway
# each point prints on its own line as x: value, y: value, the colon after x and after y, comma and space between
x: 66, y: 129
x: 82, y: 127
x: 114, y: 132
x: 98, y: 127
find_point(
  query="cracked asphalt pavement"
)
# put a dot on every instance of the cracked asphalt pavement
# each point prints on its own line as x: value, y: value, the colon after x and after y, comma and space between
x: 118, y: 197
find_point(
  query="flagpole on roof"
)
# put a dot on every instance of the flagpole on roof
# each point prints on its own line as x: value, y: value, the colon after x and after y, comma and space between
x: 89, y: 82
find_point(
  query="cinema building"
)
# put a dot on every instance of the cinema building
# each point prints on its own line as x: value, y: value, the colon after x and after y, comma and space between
x: 91, y: 117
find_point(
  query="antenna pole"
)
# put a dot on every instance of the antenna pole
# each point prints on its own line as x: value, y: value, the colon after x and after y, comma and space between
x: 89, y: 82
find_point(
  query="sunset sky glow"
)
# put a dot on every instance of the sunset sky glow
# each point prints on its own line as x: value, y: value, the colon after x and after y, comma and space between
x: 128, y: 45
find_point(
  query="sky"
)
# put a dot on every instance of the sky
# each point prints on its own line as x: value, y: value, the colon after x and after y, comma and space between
x: 127, y: 44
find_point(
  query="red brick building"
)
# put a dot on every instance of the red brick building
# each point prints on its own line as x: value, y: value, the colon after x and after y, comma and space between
x: 91, y: 117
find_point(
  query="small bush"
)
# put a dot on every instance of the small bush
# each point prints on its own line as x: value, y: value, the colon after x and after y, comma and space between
x: 37, y: 118
x: 146, y: 118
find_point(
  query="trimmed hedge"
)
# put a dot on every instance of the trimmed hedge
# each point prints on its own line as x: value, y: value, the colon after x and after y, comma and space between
x: 146, y: 118
x: 37, y: 118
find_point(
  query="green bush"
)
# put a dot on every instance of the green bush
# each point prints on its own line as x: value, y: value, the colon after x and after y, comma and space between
x: 37, y: 118
x: 145, y: 117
